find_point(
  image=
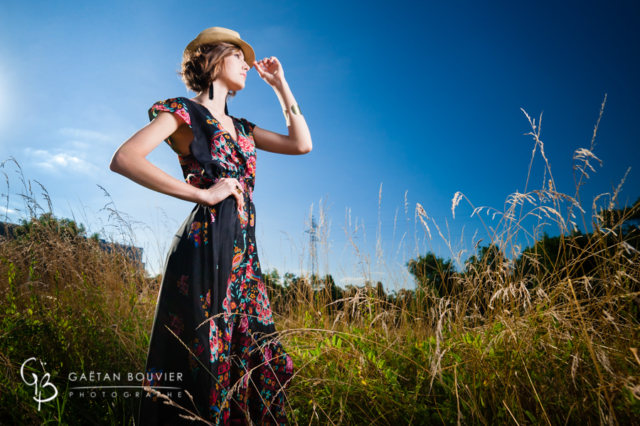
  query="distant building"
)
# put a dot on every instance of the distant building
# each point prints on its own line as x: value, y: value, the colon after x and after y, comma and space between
x: 7, y: 230
x: 132, y: 252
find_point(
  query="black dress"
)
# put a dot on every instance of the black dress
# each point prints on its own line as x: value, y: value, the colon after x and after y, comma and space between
x: 213, y: 332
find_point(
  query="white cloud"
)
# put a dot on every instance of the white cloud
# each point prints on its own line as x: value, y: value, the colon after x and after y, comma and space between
x: 6, y: 210
x: 61, y: 161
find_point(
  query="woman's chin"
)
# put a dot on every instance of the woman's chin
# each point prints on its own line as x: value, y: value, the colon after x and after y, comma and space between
x: 237, y: 85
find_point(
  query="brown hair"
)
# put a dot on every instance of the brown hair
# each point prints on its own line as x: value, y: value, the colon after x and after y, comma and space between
x: 203, y: 65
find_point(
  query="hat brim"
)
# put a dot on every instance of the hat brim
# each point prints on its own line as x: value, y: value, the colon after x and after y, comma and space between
x: 247, y: 50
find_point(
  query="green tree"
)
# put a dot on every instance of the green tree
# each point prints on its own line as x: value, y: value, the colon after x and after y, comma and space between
x: 47, y: 222
x: 627, y: 217
x: 431, y: 271
x: 276, y: 291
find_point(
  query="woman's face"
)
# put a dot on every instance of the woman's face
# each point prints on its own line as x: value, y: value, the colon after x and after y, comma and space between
x: 235, y: 70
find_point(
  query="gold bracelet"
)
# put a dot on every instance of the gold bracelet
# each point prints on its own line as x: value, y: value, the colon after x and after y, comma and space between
x: 294, y: 109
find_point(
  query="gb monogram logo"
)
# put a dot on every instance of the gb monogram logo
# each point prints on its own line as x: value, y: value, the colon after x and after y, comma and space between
x: 39, y: 384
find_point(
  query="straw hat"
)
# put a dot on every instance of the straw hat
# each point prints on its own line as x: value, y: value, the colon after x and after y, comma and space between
x: 218, y: 34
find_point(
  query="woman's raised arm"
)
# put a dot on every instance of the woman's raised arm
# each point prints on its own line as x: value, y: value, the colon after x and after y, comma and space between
x: 298, y: 141
x: 130, y: 161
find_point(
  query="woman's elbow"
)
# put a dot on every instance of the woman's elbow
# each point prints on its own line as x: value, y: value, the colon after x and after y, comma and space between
x: 116, y: 163
x: 306, y: 148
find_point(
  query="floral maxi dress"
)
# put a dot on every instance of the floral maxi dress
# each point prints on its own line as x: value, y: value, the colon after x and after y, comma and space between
x: 213, y: 332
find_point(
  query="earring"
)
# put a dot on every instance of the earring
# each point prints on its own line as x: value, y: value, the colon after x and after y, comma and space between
x: 211, y: 91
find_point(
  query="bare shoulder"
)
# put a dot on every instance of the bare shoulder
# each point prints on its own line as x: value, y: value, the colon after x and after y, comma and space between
x: 174, y: 130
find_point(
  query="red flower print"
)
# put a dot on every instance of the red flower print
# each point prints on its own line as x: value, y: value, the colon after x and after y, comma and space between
x: 183, y: 287
x: 266, y: 316
x: 213, y: 398
x: 225, y: 306
x: 244, y: 324
x: 289, y: 367
x: 251, y: 166
x: 245, y: 143
x: 176, y: 325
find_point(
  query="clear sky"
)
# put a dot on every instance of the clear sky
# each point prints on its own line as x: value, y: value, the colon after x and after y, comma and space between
x: 423, y: 98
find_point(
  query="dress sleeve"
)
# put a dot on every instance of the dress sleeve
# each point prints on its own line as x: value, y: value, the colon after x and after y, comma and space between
x: 248, y: 126
x: 174, y: 105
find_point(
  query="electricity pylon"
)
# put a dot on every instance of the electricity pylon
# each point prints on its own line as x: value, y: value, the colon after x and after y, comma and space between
x: 313, y: 249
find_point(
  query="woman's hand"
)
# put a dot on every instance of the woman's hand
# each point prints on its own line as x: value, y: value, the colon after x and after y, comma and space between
x: 221, y: 190
x: 270, y: 70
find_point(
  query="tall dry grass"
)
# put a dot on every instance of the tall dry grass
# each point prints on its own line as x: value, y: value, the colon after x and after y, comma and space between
x: 514, y: 337
x: 513, y: 340
x: 73, y: 302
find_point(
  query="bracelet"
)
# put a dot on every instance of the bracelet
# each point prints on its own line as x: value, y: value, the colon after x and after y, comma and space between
x: 294, y: 109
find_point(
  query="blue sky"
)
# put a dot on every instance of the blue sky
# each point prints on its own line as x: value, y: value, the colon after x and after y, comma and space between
x: 422, y: 98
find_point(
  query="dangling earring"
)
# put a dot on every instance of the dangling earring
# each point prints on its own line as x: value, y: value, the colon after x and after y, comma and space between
x: 211, y: 91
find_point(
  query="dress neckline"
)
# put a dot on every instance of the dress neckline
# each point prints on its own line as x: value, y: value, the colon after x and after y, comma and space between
x: 219, y: 125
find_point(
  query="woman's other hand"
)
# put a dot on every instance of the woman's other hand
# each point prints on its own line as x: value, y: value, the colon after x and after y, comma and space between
x: 270, y: 70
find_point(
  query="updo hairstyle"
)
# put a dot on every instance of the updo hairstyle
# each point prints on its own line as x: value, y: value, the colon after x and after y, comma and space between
x: 203, y: 65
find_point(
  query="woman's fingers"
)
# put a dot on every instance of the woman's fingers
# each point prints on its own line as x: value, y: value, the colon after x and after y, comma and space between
x: 268, y: 68
x: 273, y: 60
x: 267, y: 62
x: 225, y: 187
x: 228, y: 186
x: 237, y: 188
x: 260, y: 68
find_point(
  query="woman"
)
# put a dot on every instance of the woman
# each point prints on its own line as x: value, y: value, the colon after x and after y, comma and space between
x: 213, y: 333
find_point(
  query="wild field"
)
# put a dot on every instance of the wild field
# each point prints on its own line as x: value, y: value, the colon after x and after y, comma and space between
x: 544, y: 334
